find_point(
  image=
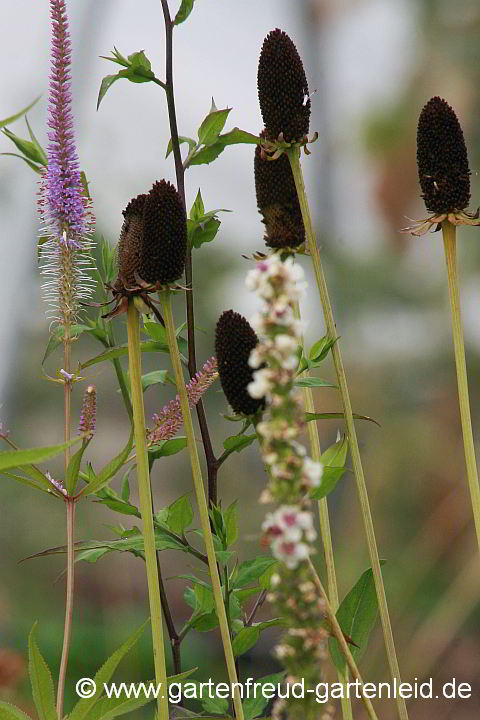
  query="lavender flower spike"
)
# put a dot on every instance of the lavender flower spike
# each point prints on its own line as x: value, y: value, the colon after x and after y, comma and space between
x: 66, y: 216
x: 169, y: 420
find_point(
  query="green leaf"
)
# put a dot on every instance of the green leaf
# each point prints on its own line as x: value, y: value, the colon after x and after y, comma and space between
x: 205, y: 234
x: 18, y: 458
x: 336, y: 415
x: 56, y: 338
x: 18, y: 115
x: 237, y: 136
x: 231, y: 530
x: 141, y: 65
x: 236, y: 443
x: 37, y: 145
x: 105, y: 85
x: 41, y: 679
x: 109, y: 470
x: 122, y: 350
x: 356, y: 616
x: 10, y: 712
x: 74, y: 468
x: 245, y: 639
x: 212, y: 125
x: 83, y: 708
x: 215, y: 705
x: 321, y: 348
x: 154, y: 378
x: 197, y: 210
x: 180, y: 515
x: 181, y: 139
x: 25, y: 481
x: 206, y: 155
x: 333, y: 460
x: 253, y: 706
x: 167, y: 447
x: 313, y: 382
x: 184, y: 11
x: 30, y: 149
x: 251, y: 570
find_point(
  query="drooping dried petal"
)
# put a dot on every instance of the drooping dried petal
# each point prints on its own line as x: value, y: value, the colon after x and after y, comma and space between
x: 277, y: 201
x: 234, y: 341
x: 164, y: 244
x: 442, y: 159
x: 130, y: 242
x: 283, y: 88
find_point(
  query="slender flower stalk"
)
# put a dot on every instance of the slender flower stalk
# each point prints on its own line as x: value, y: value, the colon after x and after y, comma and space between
x: 143, y: 480
x: 293, y: 155
x: 170, y: 419
x: 449, y: 239
x: 165, y: 297
x: 66, y: 223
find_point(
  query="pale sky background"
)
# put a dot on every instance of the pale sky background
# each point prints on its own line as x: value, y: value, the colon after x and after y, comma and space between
x: 362, y: 53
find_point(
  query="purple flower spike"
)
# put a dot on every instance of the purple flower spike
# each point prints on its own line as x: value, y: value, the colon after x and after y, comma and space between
x: 65, y: 213
x: 65, y: 210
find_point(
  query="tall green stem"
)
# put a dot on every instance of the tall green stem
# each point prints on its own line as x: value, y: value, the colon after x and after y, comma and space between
x: 316, y: 452
x: 449, y: 240
x: 67, y: 633
x: 337, y: 632
x: 143, y: 480
x: 293, y: 156
x: 201, y: 501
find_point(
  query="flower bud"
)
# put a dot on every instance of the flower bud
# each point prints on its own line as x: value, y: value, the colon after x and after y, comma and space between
x: 283, y: 88
x: 442, y: 159
x: 88, y: 417
x: 277, y: 201
x: 234, y: 341
x: 164, y: 244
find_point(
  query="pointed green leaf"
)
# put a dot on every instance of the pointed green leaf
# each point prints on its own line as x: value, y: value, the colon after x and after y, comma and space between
x: 41, y: 679
x: 74, y: 468
x: 109, y: 470
x: 212, y: 125
x: 253, y: 706
x: 10, y: 712
x: 333, y: 460
x: 206, y: 155
x: 37, y: 145
x: 180, y: 515
x: 27, y: 148
x: 181, y: 139
x: 237, y: 136
x: 122, y: 350
x: 336, y: 415
x: 82, y: 709
x: 356, y: 616
x: 18, y: 458
x: 245, y: 639
x: 251, y: 570
x: 184, y: 11
x: 236, y: 443
x: 56, y: 338
x: 167, y: 447
x: 313, y: 382
x: 36, y: 168
x: 155, y: 377
x: 105, y: 85
x: 198, y: 208
x: 321, y: 348
x: 205, y: 234
x: 18, y: 115
x: 216, y: 705
x: 24, y: 481
x: 231, y: 530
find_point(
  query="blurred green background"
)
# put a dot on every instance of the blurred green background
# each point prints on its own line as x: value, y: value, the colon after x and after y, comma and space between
x: 390, y: 297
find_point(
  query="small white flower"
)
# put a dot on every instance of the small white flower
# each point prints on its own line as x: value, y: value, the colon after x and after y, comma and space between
x: 261, y: 385
x: 291, y: 553
x: 313, y: 471
x: 255, y: 359
x: 286, y: 344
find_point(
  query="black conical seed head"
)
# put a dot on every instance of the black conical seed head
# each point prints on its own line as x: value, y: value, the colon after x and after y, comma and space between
x: 277, y: 201
x: 164, y: 244
x: 234, y: 341
x: 283, y: 88
x: 130, y: 242
x: 442, y: 159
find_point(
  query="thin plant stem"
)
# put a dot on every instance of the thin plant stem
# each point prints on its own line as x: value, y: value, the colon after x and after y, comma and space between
x: 67, y: 393
x: 316, y: 452
x: 449, y: 240
x: 212, y: 466
x: 70, y: 504
x: 201, y: 500
x: 293, y: 156
x: 337, y: 632
x: 143, y: 480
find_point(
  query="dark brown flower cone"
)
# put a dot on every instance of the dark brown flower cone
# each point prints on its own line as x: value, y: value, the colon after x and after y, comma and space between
x: 277, y: 201
x: 164, y: 244
x: 442, y: 159
x: 283, y: 88
x: 234, y: 341
x: 129, y: 244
